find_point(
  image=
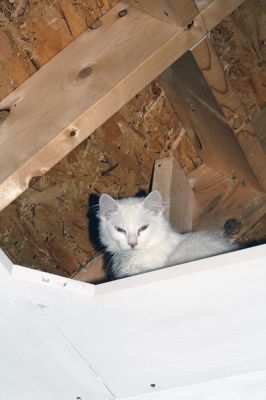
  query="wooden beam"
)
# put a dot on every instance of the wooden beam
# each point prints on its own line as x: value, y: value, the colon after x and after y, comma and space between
x: 217, y: 11
x: 202, y: 117
x: 93, y: 272
x: 181, y: 12
x: 228, y: 101
x: 171, y: 182
x: 80, y: 88
x: 219, y: 199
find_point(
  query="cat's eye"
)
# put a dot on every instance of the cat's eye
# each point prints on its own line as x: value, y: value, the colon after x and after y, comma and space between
x: 142, y: 228
x: 119, y: 229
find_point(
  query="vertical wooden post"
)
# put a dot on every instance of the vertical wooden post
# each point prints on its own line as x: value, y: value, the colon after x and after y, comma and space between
x: 171, y: 182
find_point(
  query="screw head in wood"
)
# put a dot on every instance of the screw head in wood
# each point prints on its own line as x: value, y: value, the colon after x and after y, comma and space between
x: 122, y: 13
x: 232, y: 226
x: 72, y: 133
x: 85, y: 72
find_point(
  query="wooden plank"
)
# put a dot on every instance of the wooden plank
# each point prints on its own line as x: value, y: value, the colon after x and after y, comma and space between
x: 217, y: 11
x: 47, y: 365
x: 183, y: 313
x: 73, y: 94
x: 227, y: 99
x: 174, y: 12
x: 93, y: 272
x: 219, y: 198
x: 177, y: 195
x: 201, y: 115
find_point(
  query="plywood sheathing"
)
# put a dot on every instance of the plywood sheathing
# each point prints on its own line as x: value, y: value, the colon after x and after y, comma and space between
x: 240, y: 43
x: 47, y: 226
x: 30, y: 39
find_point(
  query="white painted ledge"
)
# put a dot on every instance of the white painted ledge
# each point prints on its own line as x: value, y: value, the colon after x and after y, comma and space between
x: 196, y: 331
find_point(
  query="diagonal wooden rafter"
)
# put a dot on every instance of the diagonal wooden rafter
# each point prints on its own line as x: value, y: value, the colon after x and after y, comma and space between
x: 80, y: 88
x: 230, y: 105
x: 84, y: 85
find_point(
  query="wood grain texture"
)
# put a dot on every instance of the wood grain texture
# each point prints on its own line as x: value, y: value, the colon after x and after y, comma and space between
x: 177, y: 195
x: 179, y: 13
x: 201, y: 115
x: 59, y: 100
x: 217, y: 11
x: 93, y: 272
x: 219, y: 198
x: 230, y: 105
x: 48, y: 227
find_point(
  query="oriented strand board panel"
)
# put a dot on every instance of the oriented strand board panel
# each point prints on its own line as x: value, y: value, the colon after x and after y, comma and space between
x: 188, y: 329
x: 80, y: 88
x: 239, y: 41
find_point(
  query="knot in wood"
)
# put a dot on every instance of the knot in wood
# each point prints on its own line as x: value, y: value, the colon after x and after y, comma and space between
x: 85, y: 72
x: 232, y: 226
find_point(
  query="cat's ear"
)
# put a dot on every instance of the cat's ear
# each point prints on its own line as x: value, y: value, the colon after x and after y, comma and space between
x: 107, y: 205
x: 153, y: 203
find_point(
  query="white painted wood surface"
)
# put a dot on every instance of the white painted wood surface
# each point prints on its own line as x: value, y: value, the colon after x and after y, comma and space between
x: 196, y: 331
x: 37, y: 362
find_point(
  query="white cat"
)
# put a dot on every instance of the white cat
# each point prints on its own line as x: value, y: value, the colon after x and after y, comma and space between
x: 140, y: 239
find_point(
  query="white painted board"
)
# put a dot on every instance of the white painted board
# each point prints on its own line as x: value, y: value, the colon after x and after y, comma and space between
x: 36, y: 361
x: 200, y: 325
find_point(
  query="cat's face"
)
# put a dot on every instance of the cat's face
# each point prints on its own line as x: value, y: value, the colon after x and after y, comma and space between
x: 130, y: 224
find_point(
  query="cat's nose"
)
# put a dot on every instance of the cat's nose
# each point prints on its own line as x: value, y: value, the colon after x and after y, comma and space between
x: 132, y: 241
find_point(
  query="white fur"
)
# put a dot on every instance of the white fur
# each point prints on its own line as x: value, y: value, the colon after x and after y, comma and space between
x: 156, y: 247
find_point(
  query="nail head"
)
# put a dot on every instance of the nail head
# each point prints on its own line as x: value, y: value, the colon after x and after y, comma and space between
x: 122, y: 13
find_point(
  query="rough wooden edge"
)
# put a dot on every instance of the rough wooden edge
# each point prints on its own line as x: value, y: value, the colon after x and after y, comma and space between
x: 171, y: 182
x: 181, y: 12
x: 64, y: 140
x: 217, y: 11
